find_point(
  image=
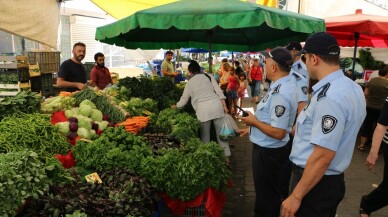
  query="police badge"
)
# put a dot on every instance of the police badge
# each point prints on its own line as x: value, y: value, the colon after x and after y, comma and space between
x: 328, y: 123
x: 279, y: 110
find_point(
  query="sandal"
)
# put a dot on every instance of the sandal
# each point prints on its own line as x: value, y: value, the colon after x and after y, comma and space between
x: 360, y: 148
x: 362, y: 213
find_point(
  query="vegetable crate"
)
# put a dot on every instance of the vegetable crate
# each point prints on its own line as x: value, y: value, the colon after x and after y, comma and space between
x: 13, y: 62
x: 48, y: 61
x: 14, y: 75
x: 44, y: 84
x: 199, y: 211
x: 13, y: 89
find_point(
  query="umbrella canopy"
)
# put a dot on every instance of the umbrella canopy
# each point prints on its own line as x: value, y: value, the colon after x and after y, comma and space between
x: 372, y: 29
x: 359, y: 30
x: 225, y: 24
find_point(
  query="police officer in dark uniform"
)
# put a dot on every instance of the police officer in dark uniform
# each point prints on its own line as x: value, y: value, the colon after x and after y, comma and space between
x: 269, y: 129
x: 326, y: 132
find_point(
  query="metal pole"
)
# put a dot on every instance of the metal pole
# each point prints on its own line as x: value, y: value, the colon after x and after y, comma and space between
x: 356, y: 36
x: 210, y: 58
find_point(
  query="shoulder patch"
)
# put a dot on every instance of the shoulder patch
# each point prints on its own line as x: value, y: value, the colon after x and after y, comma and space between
x: 299, y: 66
x: 276, y: 90
x: 296, y: 76
x: 323, y: 91
x: 304, y: 90
x: 265, y: 98
x: 328, y: 123
x: 279, y: 110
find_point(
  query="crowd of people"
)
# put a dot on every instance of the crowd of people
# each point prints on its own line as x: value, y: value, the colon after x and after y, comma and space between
x: 304, y: 128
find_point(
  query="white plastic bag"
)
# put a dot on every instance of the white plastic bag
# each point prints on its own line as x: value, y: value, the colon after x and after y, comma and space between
x: 228, y: 128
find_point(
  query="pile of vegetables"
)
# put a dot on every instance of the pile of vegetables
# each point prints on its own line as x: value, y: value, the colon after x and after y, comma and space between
x: 135, y: 124
x: 137, y: 106
x: 57, y: 103
x: 19, y: 181
x: 115, y: 148
x: 24, y: 101
x: 122, y: 193
x: 85, y: 121
x: 31, y: 131
x: 183, y: 126
x: 160, y: 89
x: 103, y: 103
x: 195, y: 168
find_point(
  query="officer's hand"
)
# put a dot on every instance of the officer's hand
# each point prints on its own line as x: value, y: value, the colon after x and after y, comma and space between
x: 243, y: 132
x: 173, y: 107
x: 371, y: 160
x: 249, y: 120
x: 290, y: 206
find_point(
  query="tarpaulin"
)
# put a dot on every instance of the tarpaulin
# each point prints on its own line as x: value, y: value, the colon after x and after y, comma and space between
x: 34, y: 20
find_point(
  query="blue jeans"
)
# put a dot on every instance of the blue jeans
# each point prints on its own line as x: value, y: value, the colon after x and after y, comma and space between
x: 256, y: 89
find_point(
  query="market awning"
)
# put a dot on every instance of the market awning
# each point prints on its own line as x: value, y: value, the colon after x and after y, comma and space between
x: 29, y: 20
x: 123, y: 8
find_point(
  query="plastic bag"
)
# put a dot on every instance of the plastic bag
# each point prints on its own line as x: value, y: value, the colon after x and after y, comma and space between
x: 228, y: 128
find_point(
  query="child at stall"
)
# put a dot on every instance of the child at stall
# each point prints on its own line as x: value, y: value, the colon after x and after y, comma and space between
x: 242, y: 88
x: 232, y: 91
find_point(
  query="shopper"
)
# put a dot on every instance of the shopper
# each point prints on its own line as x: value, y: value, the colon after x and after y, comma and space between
x: 375, y: 92
x: 208, y: 102
x: 100, y: 75
x: 269, y: 128
x: 378, y: 198
x: 255, y: 76
x: 326, y: 131
x: 72, y: 75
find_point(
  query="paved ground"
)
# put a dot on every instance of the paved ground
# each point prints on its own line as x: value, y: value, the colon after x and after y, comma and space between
x: 241, y: 196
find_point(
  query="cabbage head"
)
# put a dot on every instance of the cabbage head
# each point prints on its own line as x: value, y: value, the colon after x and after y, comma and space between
x: 84, y: 133
x: 84, y: 123
x: 63, y: 128
x: 102, y: 124
x: 87, y: 102
x: 85, y: 110
x: 96, y: 115
x: 69, y: 113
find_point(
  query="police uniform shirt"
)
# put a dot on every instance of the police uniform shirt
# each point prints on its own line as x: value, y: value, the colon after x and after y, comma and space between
x: 331, y: 120
x: 277, y: 108
x: 302, y: 85
x: 299, y: 67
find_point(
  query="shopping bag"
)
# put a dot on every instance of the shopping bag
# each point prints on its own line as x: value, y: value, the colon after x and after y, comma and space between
x: 228, y: 128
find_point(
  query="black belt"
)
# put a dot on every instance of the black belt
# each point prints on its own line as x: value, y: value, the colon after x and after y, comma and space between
x: 297, y: 169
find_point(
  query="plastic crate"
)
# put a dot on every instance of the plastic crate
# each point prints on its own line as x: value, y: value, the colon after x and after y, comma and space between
x: 49, y: 62
x: 36, y: 84
x: 14, y: 75
x: 199, y: 211
x: 88, y: 67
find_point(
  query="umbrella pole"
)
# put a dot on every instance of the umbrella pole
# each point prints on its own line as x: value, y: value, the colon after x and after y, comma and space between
x: 210, y: 58
x: 356, y: 36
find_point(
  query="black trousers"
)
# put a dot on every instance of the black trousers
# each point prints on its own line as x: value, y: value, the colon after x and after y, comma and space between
x: 323, y: 199
x: 271, y: 175
x: 378, y: 198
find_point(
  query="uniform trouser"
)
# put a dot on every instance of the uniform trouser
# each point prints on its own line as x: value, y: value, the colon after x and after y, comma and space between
x: 378, y: 198
x: 323, y: 199
x: 205, y: 134
x: 271, y: 175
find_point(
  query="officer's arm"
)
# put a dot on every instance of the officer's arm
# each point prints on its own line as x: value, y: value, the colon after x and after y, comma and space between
x: 267, y: 129
x: 270, y: 131
x: 301, y: 106
x: 315, y: 169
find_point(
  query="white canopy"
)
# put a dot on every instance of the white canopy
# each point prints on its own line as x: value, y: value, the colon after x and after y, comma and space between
x: 34, y: 20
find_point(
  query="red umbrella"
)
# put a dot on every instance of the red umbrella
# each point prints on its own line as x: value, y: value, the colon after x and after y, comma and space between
x: 359, y: 30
